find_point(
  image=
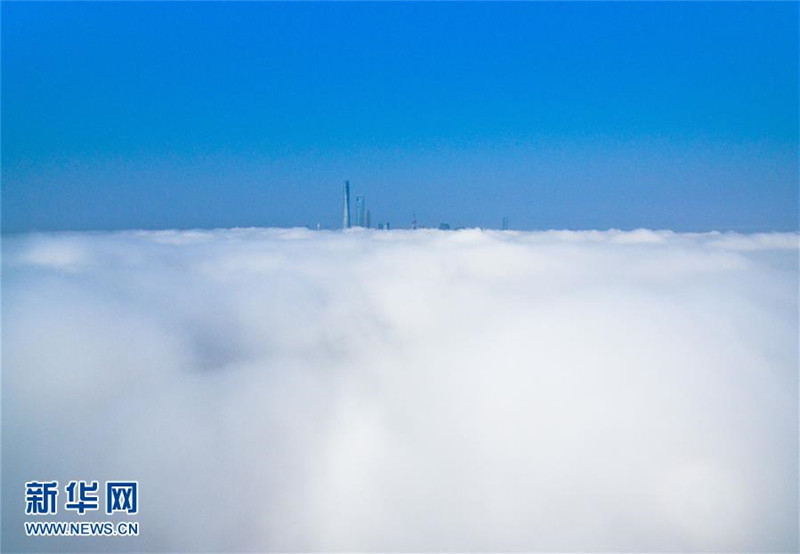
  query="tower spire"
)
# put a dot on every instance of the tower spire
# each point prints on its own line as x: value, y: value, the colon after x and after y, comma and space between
x: 346, y: 214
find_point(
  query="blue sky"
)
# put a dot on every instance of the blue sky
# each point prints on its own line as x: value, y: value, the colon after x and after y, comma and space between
x: 673, y: 115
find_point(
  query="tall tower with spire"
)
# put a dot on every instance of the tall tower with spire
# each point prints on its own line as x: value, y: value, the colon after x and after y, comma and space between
x: 346, y: 214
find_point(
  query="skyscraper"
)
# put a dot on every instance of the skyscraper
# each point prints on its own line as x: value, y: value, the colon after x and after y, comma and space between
x: 360, y: 211
x: 346, y: 216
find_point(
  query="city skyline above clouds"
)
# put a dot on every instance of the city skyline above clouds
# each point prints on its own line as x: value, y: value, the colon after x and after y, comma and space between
x: 675, y: 115
x: 618, y: 372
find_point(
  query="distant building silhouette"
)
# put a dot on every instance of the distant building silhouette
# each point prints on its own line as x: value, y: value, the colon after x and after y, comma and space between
x: 444, y: 226
x: 361, y: 218
x: 369, y: 218
x: 346, y: 215
x: 505, y: 224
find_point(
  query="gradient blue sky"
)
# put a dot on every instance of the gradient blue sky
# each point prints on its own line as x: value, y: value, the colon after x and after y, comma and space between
x: 557, y: 115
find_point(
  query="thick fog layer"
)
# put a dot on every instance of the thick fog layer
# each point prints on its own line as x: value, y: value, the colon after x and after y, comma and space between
x: 409, y: 390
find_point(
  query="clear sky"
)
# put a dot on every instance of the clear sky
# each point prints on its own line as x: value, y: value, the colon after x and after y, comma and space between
x: 675, y: 115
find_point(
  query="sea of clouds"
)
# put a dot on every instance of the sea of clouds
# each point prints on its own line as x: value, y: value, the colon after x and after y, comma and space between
x: 294, y: 390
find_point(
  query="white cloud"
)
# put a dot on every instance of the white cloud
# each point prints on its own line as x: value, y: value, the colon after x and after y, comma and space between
x: 292, y: 390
